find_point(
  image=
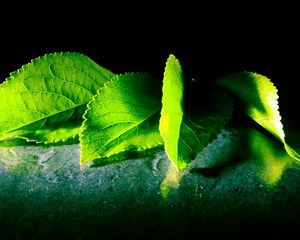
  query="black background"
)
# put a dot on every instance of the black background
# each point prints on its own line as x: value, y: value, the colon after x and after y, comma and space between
x: 210, y: 41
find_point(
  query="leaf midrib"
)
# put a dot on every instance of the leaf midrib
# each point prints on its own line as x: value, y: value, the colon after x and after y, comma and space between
x: 60, y: 95
x: 123, y: 132
x: 78, y: 105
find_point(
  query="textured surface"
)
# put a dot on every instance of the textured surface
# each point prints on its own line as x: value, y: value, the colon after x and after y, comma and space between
x: 45, y: 194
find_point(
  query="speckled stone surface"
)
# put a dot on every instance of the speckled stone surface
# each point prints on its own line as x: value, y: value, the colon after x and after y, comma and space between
x: 45, y: 193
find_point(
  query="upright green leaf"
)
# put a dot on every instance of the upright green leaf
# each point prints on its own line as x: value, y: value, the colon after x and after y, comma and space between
x: 201, y: 125
x: 259, y: 100
x: 44, y: 100
x: 122, y: 117
x: 172, y: 110
x: 187, y: 133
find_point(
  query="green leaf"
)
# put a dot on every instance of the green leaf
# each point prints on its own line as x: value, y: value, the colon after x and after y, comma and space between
x: 259, y: 100
x: 202, y: 123
x: 187, y: 133
x: 44, y: 100
x: 122, y: 117
x: 172, y: 110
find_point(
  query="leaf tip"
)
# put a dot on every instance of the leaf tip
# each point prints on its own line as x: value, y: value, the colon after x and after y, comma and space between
x: 172, y: 57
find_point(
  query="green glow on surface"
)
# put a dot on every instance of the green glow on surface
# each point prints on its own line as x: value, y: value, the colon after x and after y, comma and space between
x: 269, y: 159
x: 171, y: 181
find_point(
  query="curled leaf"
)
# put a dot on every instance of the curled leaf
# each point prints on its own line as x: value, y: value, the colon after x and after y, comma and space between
x: 259, y: 100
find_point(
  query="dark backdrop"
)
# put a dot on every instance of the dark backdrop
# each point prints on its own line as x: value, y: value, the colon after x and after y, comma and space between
x: 208, y: 42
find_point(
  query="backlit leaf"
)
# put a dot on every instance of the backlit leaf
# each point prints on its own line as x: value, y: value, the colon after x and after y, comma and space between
x: 172, y: 110
x: 122, y: 117
x: 259, y: 100
x: 44, y: 100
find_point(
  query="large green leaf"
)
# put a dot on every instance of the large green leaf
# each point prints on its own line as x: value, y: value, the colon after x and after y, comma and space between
x: 259, y: 100
x: 187, y: 133
x: 122, y: 117
x: 44, y: 100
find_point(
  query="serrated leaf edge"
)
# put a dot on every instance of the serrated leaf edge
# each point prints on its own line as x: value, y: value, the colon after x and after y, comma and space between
x: 85, y: 119
x: 24, y: 67
x: 170, y: 57
x: 13, y: 75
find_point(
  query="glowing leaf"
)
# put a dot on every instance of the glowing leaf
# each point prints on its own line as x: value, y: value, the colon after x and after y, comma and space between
x: 172, y: 110
x: 45, y: 99
x: 122, y: 117
x: 259, y: 100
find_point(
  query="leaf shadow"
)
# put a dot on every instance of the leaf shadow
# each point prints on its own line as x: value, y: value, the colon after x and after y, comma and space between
x: 258, y: 151
x: 16, y: 142
x: 124, y: 156
x: 217, y: 171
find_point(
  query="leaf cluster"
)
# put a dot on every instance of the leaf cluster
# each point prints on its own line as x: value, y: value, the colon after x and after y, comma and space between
x: 63, y: 97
